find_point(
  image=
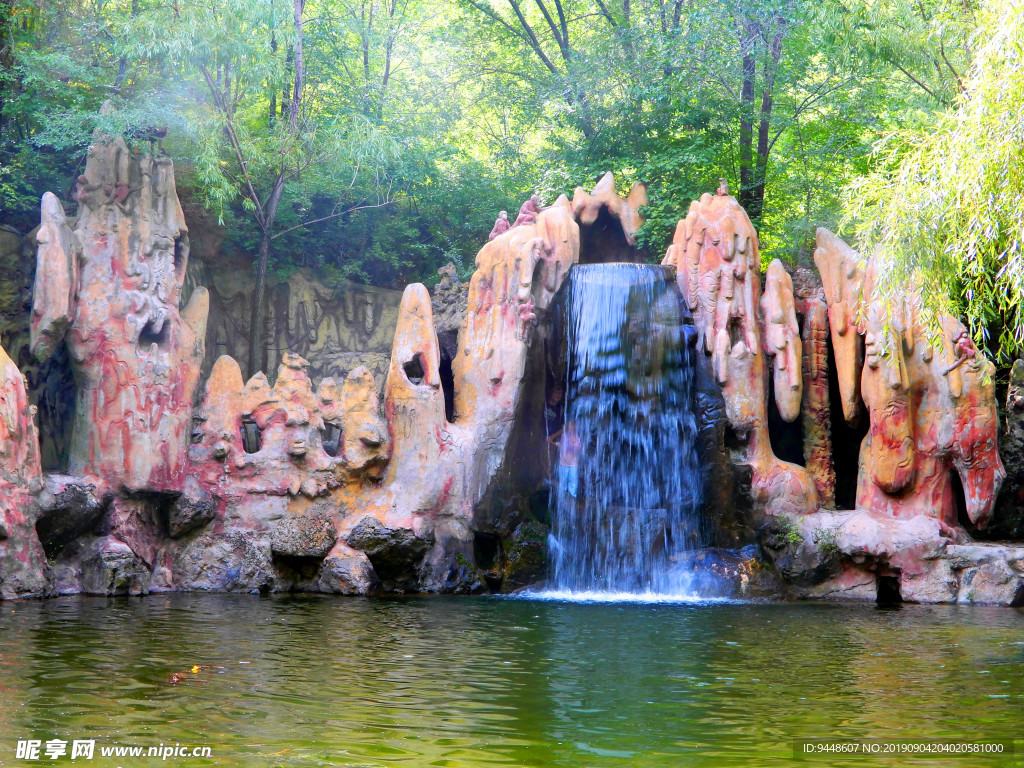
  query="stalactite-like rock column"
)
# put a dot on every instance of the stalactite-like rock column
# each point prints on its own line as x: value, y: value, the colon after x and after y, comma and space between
x: 932, y: 409
x: 110, y: 288
x: 842, y: 275
x: 782, y: 340
x: 816, y: 411
x: 715, y: 253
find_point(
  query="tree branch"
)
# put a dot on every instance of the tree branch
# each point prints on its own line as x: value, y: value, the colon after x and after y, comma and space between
x: 921, y: 85
x: 235, y: 145
x: 607, y: 14
x: 354, y: 208
x: 532, y: 37
x: 563, y: 45
x: 489, y: 12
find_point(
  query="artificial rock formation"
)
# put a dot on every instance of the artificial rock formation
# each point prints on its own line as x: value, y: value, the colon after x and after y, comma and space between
x: 589, y: 205
x: 932, y: 413
x: 265, y: 461
x: 296, y: 487
x: 863, y: 555
x: 439, y: 471
x: 782, y: 340
x: 110, y: 289
x: 22, y: 562
x: 312, y: 482
x: 931, y: 410
x: 608, y: 223
x: 816, y: 410
x: 842, y: 275
x: 715, y: 253
x: 336, y: 326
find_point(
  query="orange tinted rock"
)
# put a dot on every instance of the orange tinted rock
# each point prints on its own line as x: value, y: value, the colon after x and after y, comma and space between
x: 888, y: 455
x: 560, y: 248
x: 588, y: 205
x: 715, y: 253
x: 816, y: 411
x: 843, y: 278
x: 932, y: 410
x: 364, y: 444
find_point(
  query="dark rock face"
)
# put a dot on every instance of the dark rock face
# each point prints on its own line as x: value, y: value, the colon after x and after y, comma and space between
x: 100, y: 565
x: 230, y: 561
x: 1008, y: 517
x: 727, y: 492
x: 193, y: 509
x: 448, y: 301
x: 396, y: 554
x: 526, y: 555
x: 69, y: 508
x: 446, y: 569
x: 796, y: 560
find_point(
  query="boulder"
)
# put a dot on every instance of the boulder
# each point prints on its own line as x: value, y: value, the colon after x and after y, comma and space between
x: 396, y: 554
x: 69, y: 507
x: 194, y: 508
x: 346, y: 571
x: 310, y: 533
x: 526, y: 555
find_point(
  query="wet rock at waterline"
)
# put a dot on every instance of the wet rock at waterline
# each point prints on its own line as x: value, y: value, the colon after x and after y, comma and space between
x: 864, y: 555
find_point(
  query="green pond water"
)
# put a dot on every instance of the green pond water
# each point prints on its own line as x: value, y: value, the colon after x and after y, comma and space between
x: 304, y: 681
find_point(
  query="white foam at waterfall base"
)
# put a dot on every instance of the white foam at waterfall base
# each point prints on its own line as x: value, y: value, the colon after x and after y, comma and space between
x: 642, y: 598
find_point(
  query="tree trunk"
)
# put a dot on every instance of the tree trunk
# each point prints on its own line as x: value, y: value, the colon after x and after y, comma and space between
x: 756, y: 206
x: 300, y: 68
x: 257, y: 352
x: 747, y: 127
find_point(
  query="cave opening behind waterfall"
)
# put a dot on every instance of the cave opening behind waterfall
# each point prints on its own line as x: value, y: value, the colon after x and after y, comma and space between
x: 605, y: 242
x: 627, y: 485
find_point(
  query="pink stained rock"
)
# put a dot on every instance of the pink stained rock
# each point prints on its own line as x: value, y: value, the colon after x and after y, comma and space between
x: 111, y: 290
x: 23, y: 567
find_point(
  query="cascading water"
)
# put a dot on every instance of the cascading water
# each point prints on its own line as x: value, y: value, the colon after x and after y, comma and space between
x: 627, y: 493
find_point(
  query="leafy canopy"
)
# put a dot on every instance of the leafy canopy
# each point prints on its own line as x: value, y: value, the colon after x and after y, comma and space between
x: 945, y: 204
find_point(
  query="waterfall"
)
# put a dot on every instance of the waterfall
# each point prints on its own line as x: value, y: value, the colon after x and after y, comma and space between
x: 627, y: 480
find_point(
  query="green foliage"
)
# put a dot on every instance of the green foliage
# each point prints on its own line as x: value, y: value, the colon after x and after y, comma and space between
x: 827, y: 540
x: 420, y: 120
x: 788, y: 529
x: 944, y: 204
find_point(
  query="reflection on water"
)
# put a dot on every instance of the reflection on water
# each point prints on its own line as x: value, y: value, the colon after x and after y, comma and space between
x: 473, y: 681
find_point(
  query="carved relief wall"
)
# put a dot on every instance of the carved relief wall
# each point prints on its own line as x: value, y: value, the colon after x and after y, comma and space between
x: 335, y: 327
